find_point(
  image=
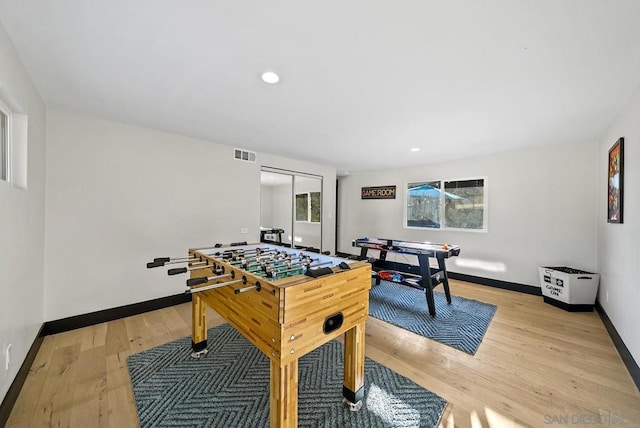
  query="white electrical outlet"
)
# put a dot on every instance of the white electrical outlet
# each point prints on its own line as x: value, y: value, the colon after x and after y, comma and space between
x: 606, y: 296
x: 7, y: 357
x: 244, y: 230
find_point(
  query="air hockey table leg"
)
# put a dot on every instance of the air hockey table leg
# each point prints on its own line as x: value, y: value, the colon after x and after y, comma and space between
x: 427, y: 283
x: 283, y: 391
x: 198, y: 327
x: 353, y: 387
x: 445, y: 279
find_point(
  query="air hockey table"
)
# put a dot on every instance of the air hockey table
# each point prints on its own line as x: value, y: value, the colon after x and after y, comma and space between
x: 428, y: 278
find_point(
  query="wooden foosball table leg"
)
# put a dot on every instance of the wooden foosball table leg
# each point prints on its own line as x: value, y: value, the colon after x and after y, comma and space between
x: 283, y: 408
x: 198, y: 327
x: 353, y: 387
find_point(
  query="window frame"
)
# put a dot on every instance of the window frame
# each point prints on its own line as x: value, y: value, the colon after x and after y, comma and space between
x: 5, y: 145
x: 441, y: 213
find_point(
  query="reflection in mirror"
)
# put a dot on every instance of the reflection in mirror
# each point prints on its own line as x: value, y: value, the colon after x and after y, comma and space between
x: 308, y: 211
x: 276, y: 207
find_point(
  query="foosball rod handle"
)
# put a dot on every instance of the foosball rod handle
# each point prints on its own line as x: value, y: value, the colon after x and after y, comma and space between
x: 169, y: 259
x: 154, y: 264
x: 160, y: 262
x: 177, y: 271
x: 197, y: 281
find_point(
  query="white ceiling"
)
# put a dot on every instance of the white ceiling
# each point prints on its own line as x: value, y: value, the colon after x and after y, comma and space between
x: 362, y: 81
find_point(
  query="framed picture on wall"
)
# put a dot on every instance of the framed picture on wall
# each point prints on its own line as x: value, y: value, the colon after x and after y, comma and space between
x: 615, y: 182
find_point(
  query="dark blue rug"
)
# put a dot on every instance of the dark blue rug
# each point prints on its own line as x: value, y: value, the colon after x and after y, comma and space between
x: 230, y: 388
x: 461, y: 325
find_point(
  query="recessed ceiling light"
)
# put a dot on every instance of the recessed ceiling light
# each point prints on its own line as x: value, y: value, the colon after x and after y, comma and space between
x: 270, y: 77
x: 415, y: 149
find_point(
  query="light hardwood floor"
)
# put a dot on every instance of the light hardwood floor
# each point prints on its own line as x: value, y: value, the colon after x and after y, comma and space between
x: 537, y: 366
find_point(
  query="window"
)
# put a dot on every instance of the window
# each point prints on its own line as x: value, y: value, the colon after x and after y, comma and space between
x: 308, y: 207
x: 302, y: 207
x: 13, y: 146
x: 454, y: 204
x: 315, y: 202
x: 4, y: 143
x: 423, y: 204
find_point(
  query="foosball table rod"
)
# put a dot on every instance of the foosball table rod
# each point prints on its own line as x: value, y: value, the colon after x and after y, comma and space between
x: 280, y: 262
x: 280, y: 267
x: 220, y: 285
x: 177, y: 271
x: 256, y: 256
x: 308, y: 265
x: 241, y: 251
x: 256, y: 287
x: 191, y: 282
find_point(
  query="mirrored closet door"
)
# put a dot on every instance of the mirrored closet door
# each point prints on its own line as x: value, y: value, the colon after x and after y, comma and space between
x: 291, y: 208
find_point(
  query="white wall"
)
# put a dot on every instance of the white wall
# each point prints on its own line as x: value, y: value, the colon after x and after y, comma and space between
x: 21, y: 221
x: 266, y: 207
x: 541, y: 208
x: 119, y: 195
x: 618, y: 244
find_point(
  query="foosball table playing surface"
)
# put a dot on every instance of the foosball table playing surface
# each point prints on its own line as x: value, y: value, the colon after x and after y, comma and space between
x: 287, y: 302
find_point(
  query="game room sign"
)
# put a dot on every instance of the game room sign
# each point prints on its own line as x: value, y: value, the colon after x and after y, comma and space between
x: 379, y: 192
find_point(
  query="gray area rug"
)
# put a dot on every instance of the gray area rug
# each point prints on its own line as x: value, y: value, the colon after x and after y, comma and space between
x: 461, y: 325
x: 230, y: 388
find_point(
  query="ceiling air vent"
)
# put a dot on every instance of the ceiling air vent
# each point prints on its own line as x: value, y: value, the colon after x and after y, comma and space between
x: 244, y: 155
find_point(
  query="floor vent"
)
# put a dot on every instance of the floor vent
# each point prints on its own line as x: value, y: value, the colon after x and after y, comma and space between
x: 244, y: 155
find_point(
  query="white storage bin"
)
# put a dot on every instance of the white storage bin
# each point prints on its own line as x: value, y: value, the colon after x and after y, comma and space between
x: 570, y: 289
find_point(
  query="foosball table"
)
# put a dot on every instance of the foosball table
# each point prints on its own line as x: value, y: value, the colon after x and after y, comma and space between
x: 286, y: 302
x: 427, y: 278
